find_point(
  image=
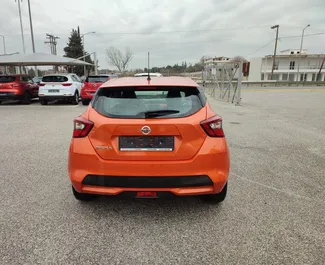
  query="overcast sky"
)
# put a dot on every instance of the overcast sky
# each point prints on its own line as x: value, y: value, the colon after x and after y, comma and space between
x: 173, y: 31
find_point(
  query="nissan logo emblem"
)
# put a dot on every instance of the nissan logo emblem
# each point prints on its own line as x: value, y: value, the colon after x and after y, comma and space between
x: 145, y: 130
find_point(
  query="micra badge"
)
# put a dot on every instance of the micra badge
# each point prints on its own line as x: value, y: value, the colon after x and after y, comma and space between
x: 102, y: 147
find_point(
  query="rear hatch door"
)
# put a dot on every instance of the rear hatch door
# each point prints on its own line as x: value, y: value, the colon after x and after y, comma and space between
x: 92, y: 83
x: 7, y: 83
x: 56, y: 85
x: 150, y: 127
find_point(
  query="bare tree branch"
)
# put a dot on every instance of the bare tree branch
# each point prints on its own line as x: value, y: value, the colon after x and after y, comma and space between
x: 116, y: 58
x: 238, y: 59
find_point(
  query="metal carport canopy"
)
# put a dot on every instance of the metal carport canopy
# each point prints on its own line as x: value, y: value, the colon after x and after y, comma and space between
x: 37, y: 59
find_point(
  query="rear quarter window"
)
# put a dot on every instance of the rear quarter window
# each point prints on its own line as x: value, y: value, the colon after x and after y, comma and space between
x: 160, y: 102
x: 55, y: 78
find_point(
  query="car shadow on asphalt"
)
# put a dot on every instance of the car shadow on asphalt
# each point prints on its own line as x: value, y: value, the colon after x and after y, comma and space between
x: 106, y: 205
x: 36, y: 102
x: 15, y: 102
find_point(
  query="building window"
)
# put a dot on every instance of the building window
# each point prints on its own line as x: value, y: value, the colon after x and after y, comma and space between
x: 303, y: 77
x: 292, y: 52
x: 284, y: 77
x: 275, y: 77
x: 314, y: 77
x: 291, y: 77
x: 276, y: 65
x: 262, y: 77
x: 292, y: 65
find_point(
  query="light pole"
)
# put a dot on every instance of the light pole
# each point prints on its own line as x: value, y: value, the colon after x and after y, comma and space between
x: 32, y: 32
x: 4, y: 44
x: 4, y: 49
x: 83, y: 44
x: 302, y: 39
x: 21, y: 26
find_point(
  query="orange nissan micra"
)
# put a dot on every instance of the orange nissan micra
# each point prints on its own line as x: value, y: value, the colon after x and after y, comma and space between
x: 149, y: 138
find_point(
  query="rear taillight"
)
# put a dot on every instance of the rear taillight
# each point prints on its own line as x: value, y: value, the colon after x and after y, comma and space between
x: 67, y: 84
x: 213, y: 126
x: 41, y: 84
x: 81, y: 127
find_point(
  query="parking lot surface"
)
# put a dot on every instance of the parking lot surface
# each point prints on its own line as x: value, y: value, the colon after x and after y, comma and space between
x: 273, y: 214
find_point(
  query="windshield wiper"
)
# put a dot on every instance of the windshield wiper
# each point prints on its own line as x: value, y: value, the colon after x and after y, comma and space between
x: 158, y: 113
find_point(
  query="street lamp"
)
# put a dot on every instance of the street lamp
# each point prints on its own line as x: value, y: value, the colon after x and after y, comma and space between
x: 21, y: 26
x: 4, y: 44
x: 83, y: 41
x: 32, y: 32
x: 302, y: 39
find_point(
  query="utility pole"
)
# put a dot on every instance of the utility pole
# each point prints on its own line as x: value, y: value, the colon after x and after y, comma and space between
x: 21, y: 26
x: 276, y: 44
x: 52, y: 41
x: 320, y: 71
x: 302, y: 39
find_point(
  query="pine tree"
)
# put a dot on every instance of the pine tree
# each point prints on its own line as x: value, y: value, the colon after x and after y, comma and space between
x: 75, y: 49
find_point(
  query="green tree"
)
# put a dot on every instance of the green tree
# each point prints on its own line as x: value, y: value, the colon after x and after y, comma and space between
x: 31, y: 72
x: 75, y: 49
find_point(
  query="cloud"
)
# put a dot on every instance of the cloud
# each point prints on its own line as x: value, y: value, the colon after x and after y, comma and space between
x: 173, y: 31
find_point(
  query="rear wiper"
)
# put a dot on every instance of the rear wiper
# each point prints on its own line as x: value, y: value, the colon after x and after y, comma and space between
x: 157, y: 113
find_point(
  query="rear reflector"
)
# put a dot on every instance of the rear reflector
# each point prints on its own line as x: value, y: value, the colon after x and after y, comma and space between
x: 66, y: 84
x: 213, y: 126
x: 82, y: 127
x: 41, y: 84
x: 142, y: 194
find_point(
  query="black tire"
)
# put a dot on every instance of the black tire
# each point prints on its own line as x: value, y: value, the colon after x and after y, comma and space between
x: 216, y: 198
x: 75, y: 99
x: 27, y: 99
x: 85, y: 102
x: 43, y: 101
x: 83, y: 196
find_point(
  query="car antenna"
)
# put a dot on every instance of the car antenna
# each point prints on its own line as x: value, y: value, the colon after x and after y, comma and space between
x: 149, y: 78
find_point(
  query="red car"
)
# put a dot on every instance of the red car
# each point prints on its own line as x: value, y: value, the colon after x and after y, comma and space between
x: 18, y: 87
x: 90, y: 86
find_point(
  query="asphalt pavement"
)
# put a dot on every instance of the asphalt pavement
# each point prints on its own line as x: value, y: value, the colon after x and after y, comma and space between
x: 274, y: 212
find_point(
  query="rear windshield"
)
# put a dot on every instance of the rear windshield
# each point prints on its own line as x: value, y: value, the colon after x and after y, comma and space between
x: 7, y: 79
x: 96, y: 79
x: 138, y: 103
x: 54, y: 78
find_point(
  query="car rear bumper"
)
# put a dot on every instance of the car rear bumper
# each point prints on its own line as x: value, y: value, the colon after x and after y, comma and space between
x: 58, y: 97
x: 86, y: 95
x: 10, y: 96
x: 206, y: 173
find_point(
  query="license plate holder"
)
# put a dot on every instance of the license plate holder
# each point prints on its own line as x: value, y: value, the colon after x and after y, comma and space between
x: 54, y: 90
x: 146, y: 143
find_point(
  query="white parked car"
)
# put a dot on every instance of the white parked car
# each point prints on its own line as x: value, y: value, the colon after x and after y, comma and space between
x: 60, y: 87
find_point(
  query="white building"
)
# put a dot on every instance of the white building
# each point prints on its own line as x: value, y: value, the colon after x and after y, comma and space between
x: 216, y: 59
x: 286, y: 67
